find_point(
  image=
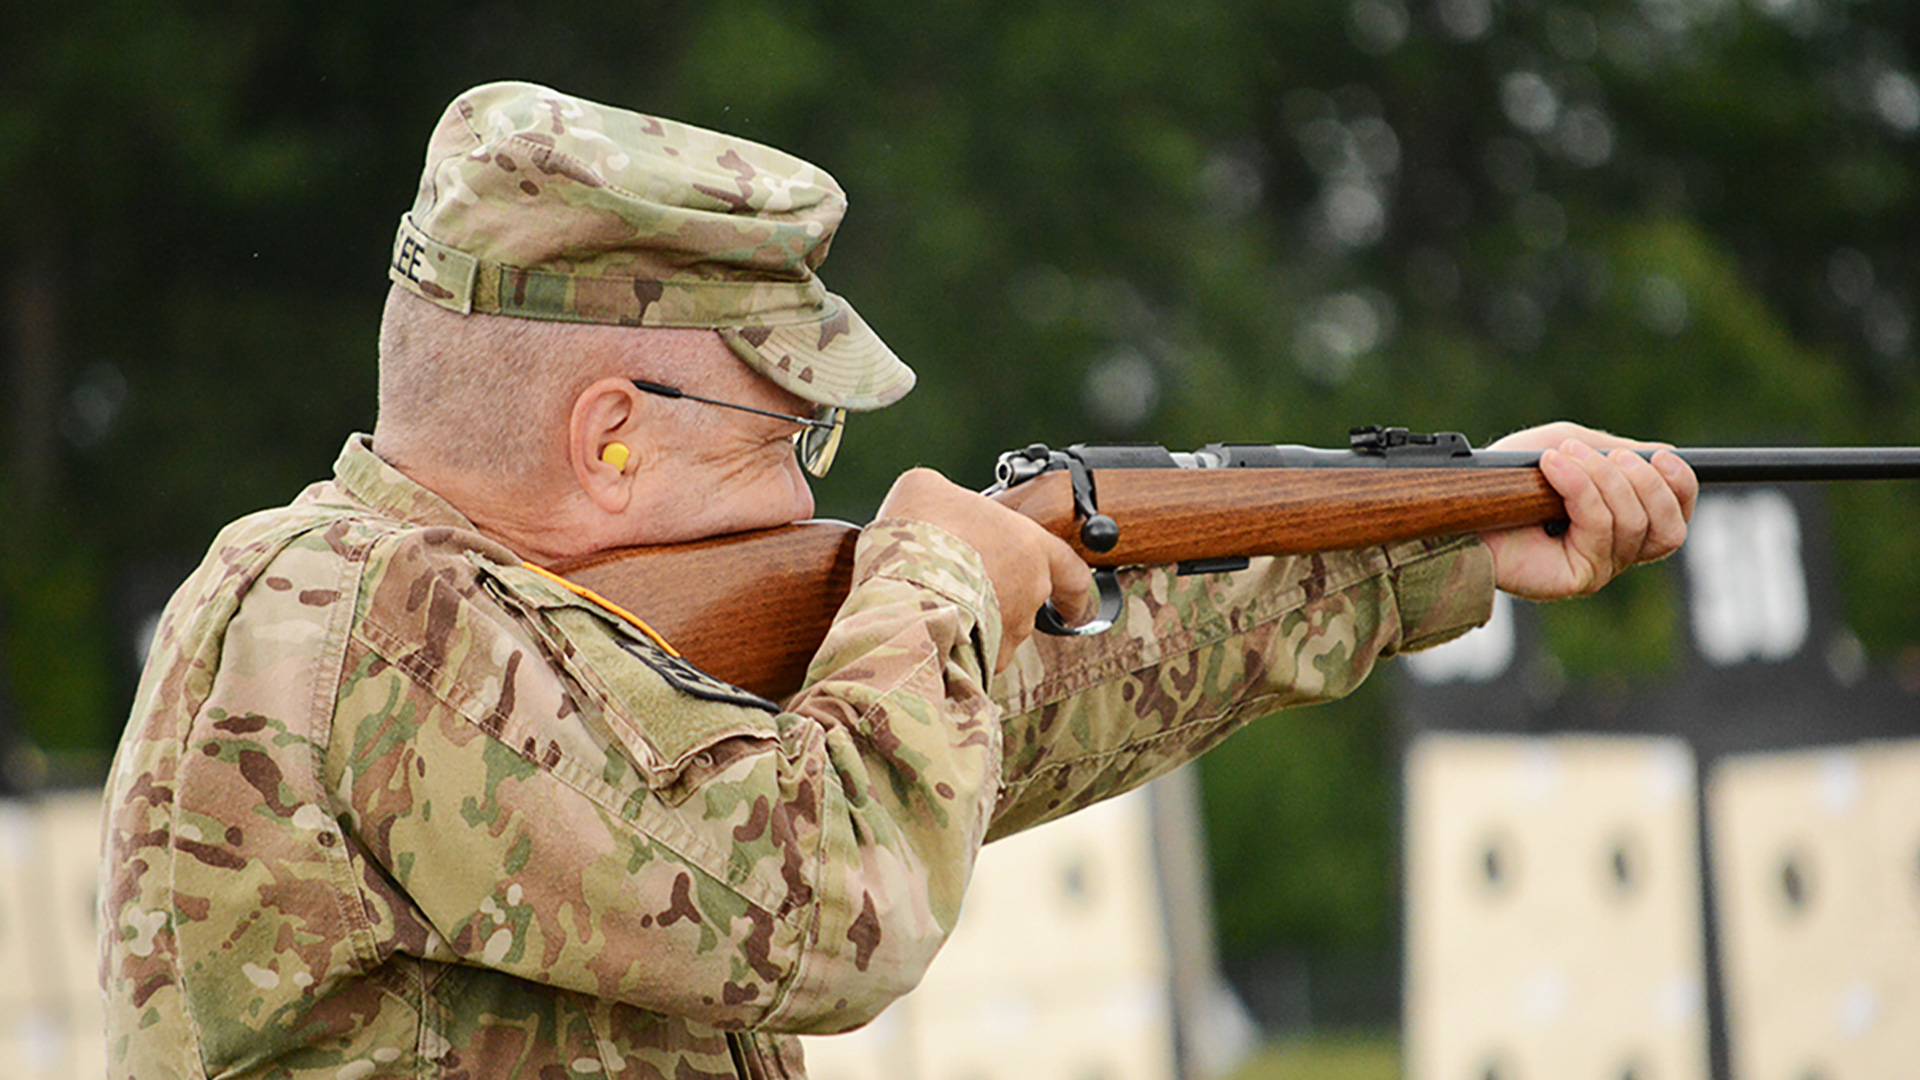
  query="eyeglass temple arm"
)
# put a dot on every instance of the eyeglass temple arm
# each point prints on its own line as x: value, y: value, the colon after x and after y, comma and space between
x: 675, y: 392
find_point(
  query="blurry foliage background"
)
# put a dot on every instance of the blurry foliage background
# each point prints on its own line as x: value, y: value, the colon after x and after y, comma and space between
x: 1127, y: 220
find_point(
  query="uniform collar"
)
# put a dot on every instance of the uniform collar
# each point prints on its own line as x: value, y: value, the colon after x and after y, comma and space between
x: 379, y: 486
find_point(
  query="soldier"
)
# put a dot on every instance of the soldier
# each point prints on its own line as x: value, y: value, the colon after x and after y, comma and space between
x: 396, y: 801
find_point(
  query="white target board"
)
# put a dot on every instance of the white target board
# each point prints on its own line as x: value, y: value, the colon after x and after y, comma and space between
x: 1553, y: 909
x: 52, y: 1023
x: 1817, y: 875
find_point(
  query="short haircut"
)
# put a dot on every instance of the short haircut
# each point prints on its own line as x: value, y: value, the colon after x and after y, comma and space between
x: 492, y: 395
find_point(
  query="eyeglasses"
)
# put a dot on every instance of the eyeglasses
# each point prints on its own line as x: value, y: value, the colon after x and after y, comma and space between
x: 814, y: 444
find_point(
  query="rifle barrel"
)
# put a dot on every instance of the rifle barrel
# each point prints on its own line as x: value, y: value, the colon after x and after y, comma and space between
x: 1751, y: 466
x: 1767, y: 465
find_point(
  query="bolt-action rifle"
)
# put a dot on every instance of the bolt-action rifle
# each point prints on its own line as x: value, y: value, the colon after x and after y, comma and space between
x: 752, y: 608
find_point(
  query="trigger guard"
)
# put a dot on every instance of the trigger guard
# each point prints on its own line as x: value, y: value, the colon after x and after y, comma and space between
x: 1107, y: 582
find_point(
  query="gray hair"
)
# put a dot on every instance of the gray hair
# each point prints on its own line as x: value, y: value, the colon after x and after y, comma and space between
x: 491, y: 395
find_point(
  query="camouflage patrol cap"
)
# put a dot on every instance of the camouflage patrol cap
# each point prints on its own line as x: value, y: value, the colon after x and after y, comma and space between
x: 541, y: 205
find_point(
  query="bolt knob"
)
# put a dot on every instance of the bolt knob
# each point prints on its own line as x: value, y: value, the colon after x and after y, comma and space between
x: 1100, y: 533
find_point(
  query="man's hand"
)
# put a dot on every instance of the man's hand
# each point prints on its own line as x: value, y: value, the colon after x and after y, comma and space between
x: 1026, y: 564
x: 1621, y: 509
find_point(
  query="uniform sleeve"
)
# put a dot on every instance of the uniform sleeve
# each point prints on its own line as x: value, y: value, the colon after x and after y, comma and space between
x: 535, y: 790
x: 1195, y: 657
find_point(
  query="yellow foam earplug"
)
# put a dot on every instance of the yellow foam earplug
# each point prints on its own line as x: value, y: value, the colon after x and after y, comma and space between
x: 616, y: 455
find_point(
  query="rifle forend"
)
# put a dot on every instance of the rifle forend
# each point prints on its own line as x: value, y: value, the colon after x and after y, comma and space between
x: 1389, y: 485
x: 753, y: 608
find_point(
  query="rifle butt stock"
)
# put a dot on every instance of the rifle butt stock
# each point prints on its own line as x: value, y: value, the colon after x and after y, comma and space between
x: 750, y: 608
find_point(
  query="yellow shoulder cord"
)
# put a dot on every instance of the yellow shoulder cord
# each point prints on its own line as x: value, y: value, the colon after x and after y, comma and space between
x: 593, y: 597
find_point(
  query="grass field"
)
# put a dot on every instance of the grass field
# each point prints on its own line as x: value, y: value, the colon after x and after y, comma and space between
x: 1359, y: 1056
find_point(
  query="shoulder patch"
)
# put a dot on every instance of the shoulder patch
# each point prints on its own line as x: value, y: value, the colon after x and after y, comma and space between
x: 690, y: 680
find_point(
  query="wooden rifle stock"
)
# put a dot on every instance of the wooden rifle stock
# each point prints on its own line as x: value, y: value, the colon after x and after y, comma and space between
x: 753, y: 608
x: 1176, y: 515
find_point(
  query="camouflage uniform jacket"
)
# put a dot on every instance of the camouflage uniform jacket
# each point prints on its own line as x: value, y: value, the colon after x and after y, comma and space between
x: 392, y: 804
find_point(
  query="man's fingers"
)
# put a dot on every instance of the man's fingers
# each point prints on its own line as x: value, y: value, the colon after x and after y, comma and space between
x: 1622, y: 509
x: 1666, y: 513
x: 1073, y: 593
x: 1588, y: 543
x: 1684, y: 486
x: 1612, y: 475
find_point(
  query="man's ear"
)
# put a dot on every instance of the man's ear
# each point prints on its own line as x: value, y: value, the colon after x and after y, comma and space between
x: 604, y: 443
